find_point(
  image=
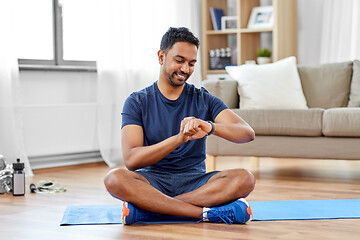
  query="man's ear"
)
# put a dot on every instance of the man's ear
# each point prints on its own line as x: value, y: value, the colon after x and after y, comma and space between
x: 161, y: 56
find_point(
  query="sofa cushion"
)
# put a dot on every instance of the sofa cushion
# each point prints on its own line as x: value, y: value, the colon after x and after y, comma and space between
x: 295, y: 122
x: 341, y: 122
x: 269, y: 86
x: 226, y: 90
x: 326, y: 85
x: 354, y: 98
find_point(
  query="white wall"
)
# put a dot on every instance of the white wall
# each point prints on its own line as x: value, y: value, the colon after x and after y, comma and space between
x: 59, y: 112
x: 57, y: 87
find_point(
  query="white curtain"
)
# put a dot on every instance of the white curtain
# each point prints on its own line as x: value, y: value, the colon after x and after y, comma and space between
x: 11, y: 128
x: 130, y: 32
x: 340, y: 34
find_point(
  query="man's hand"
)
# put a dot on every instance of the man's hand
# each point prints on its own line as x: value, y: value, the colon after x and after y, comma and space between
x: 194, y: 128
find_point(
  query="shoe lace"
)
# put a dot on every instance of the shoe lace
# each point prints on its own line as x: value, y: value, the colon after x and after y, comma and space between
x: 225, y: 215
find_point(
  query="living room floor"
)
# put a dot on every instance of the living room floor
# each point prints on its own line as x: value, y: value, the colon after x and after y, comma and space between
x: 37, y: 216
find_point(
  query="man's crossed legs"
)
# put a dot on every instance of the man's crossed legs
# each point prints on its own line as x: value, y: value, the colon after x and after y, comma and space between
x: 215, y: 200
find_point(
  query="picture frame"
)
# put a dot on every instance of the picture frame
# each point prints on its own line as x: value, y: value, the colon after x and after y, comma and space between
x: 229, y: 22
x: 261, y: 17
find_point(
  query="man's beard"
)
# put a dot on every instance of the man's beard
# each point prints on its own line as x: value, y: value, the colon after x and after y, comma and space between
x: 177, y: 83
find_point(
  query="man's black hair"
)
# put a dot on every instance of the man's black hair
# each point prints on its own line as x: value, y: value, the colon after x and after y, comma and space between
x: 174, y: 35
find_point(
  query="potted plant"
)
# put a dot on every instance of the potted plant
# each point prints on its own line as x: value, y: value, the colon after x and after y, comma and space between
x: 264, y: 56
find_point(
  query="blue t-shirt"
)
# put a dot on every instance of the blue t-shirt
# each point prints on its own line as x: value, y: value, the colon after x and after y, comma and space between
x: 160, y: 119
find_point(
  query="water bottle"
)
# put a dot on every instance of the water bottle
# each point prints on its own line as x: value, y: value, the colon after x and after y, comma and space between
x: 18, y: 181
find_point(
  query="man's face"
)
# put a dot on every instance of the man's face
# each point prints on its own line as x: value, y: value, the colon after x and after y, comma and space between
x: 178, y: 62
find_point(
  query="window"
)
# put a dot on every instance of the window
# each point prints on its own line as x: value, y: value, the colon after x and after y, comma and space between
x: 58, y: 33
x: 34, y: 34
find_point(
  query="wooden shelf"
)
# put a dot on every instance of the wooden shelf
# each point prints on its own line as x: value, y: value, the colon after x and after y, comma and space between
x: 216, y: 71
x: 255, y: 30
x: 248, y: 41
x: 228, y: 31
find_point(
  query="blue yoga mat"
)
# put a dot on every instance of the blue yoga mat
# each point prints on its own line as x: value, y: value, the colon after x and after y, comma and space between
x: 305, y: 209
x: 262, y: 211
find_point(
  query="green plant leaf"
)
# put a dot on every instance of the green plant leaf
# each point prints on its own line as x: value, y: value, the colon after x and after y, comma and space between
x: 264, y: 53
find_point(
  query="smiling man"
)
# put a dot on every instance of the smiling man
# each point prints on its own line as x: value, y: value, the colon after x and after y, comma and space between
x: 164, y: 129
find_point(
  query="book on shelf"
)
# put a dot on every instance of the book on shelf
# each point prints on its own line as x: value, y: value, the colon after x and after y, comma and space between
x: 216, y: 14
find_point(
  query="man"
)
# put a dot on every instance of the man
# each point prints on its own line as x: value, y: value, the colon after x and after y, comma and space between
x: 164, y: 128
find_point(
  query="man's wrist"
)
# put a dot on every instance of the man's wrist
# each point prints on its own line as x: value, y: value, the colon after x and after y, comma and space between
x: 212, y: 128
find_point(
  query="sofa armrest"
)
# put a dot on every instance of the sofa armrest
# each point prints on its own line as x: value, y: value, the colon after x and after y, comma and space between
x: 226, y: 90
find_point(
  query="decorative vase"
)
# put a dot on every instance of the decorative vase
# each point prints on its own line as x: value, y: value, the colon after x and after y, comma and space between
x: 263, y: 60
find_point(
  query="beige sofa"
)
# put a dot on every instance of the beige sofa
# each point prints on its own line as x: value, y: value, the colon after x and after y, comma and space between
x: 328, y: 129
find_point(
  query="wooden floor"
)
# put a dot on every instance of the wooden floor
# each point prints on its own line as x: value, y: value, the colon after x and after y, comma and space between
x: 37, y: 216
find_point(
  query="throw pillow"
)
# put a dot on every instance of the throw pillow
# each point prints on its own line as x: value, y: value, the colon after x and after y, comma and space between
x: 326, y: 85
x: 354, y: 100
x: 269, y: 86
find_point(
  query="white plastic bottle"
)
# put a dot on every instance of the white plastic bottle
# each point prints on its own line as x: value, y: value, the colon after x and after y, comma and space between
x: 18, y: 181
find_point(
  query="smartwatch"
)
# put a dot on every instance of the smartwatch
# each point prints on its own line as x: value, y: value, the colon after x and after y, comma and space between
x: 212, y: 129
